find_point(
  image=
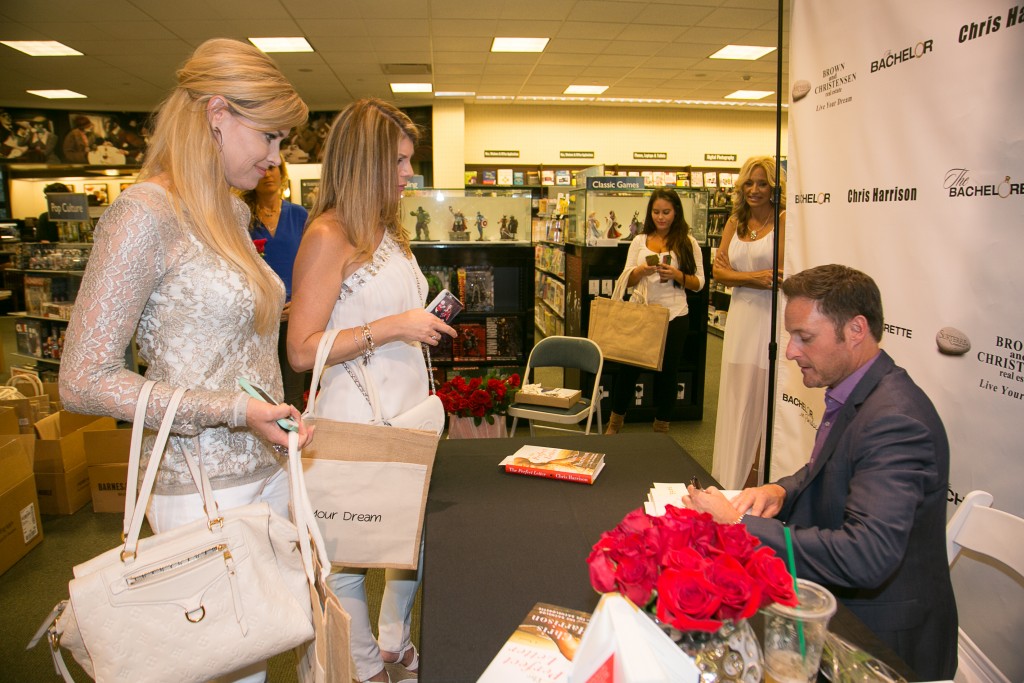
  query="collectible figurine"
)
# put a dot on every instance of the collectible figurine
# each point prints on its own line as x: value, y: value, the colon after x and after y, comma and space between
x: 613, y: 226
x: 503, y: 226
x: 593, y: 228
x: 513, y: 229
x: 634, y: 227
x: 458, y: 220
x: 481, y: 223
x: 422, y: 224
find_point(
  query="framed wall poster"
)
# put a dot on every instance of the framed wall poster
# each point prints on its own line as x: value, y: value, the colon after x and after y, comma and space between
x: 97, y: 194
x: 307, y: 190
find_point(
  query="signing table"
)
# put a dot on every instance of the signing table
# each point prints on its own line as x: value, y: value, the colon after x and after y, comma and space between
x: 498, y: 543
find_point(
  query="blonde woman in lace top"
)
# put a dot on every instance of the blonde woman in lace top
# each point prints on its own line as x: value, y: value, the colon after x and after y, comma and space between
x: 173, y: 264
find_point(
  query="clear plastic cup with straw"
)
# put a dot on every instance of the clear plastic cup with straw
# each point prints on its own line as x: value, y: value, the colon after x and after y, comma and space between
x: 794, y: 636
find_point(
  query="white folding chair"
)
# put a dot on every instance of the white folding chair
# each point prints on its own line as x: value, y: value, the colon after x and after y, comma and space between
x: 563, y: 352
x: 978, y: 527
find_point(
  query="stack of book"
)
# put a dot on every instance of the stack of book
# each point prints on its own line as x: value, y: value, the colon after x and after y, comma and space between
x: 555, y: 463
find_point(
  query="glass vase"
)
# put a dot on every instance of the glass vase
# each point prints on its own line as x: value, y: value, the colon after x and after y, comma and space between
x: 465, y: 428
x: 732, y: 653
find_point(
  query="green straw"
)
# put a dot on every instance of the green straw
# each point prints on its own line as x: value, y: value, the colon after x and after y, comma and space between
x: 792, y: 570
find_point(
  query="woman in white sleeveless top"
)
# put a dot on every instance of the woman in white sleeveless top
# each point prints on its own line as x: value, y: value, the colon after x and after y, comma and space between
x: 355, y: 272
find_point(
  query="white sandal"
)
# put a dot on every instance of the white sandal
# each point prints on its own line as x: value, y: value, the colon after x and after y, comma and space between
x: 412, y: 667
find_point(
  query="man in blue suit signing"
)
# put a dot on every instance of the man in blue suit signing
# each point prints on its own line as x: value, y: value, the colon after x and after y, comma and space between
x: 868, y: 511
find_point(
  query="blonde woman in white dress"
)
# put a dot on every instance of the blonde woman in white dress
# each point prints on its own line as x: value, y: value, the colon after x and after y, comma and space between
x: 744, y: 262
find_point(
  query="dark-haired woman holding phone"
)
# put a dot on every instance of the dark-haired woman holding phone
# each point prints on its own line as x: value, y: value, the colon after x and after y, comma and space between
x: 664, y: 259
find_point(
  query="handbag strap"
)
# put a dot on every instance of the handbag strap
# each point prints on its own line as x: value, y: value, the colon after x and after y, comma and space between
x: 639, y: 295
x: 137, y: 496
x: 311, y: 539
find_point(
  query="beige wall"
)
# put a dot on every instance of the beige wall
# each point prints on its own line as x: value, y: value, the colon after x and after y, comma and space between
x: 540, y: 132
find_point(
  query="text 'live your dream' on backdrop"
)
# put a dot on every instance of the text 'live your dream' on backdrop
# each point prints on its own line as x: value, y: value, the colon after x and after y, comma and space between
x: 906, y: 161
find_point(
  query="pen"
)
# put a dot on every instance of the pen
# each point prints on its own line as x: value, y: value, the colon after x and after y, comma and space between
x: 695, y: 483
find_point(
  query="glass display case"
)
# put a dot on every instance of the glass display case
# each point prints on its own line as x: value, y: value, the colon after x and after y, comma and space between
x: 480, y: 216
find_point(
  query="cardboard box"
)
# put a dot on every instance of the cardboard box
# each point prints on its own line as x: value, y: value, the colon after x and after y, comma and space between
x: 61, y: 445
x: 52, y: 390
x: 107, y: 486
x: 555, y: 397
x: 29, y: 410
x: 21, y: 528
x: 106, y: 454
x: 63, y: 493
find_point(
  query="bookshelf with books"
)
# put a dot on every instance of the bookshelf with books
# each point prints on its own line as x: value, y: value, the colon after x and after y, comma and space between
x: 49, y: 275
x: 495, y: 330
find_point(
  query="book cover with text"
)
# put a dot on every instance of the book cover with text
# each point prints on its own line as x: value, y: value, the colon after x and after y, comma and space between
x: 555, y: 463
x: 541, y: 649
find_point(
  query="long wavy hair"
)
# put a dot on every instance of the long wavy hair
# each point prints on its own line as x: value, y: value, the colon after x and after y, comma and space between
x: 678, y: 238
x: 251, y: 200
x: 359, y: 176
x: 183, y: 147
x: 740, y: 208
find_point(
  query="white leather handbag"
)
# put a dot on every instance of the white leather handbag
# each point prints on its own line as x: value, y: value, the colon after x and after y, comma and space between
x: 190, y: 604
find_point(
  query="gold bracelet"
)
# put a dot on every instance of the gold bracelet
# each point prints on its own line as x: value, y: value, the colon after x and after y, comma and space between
x: 370, y: 346
x: 355, y: 340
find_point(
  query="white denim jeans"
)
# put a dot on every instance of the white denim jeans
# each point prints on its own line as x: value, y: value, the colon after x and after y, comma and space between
x: 395, y: 620
x: 169, y: 512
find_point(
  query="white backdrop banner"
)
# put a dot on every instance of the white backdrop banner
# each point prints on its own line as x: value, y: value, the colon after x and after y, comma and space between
x: 906, y: 161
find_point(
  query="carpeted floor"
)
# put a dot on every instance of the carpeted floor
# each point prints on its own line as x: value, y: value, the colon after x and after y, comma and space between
x: 38, y: 581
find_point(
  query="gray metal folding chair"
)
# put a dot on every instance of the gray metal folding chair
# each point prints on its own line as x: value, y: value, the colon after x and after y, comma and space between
x: 567, y: 353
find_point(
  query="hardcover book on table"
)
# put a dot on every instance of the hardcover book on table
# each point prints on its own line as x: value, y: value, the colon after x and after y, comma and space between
x: 541, y: 649
x: 555, y: 463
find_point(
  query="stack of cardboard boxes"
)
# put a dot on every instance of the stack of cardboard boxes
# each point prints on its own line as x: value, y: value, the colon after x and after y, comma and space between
x: 69, y: 461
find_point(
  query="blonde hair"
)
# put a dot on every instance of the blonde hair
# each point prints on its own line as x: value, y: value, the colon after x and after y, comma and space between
x: 249, y: 196
x: 185, y: 149
x: 740, y: 208
x: 359, y: 177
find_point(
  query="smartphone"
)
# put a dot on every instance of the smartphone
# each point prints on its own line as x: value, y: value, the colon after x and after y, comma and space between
x: 445, y: 306
x: 652, y: 259
x: 260, y: 394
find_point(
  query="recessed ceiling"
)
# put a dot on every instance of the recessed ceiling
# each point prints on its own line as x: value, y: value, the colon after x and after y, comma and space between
x: 639, y: 49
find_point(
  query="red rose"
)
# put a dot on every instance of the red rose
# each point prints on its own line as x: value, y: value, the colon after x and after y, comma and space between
x: 695, y: 529
x: 736, y: 541
x: 741, y: 595
x: 687, y: 601
x: 602, y: 570
x: 474, y: 383
x: 514, y: 379
x: 765, y: 567
x: 261, y: 244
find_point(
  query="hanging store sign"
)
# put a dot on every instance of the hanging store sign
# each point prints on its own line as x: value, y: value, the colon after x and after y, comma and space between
x: 615, y: 183
x: 502, y: 153
x: 575, y: 155
x: 67, y: 206
x: 650, y: 155
x: 719, y: 157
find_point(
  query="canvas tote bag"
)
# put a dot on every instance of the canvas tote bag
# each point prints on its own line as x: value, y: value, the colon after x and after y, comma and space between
x: 367, y: 482
x: 631, y: 332
x: 327, y: 659
x: 227, y: 590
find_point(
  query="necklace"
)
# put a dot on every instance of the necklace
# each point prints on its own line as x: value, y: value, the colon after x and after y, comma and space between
x: 755, y: 233
x: 269, y: 211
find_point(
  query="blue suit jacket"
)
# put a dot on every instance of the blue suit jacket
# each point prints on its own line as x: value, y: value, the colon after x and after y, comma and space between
x: 868, y: 520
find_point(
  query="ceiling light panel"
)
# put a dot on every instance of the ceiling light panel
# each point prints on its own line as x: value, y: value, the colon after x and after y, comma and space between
x: 749, y: 94
x: 519, y: 44
x: 747, y: 52
x: 56, y: 94
x: 585, y: 89
x: 411, y: 87
x: 42, y: 48
x: 282, y: 44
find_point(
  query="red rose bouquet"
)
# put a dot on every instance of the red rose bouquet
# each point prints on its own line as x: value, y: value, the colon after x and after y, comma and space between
x: 688, y: 570
x: 480, y: 398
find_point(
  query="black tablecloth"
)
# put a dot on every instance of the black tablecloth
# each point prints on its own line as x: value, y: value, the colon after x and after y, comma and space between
x: 498, y: 543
